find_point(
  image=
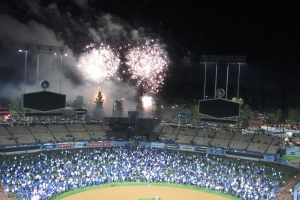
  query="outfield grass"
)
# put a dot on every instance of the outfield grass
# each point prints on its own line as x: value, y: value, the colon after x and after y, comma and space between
x: 120, y: 184
x: 293, y: 159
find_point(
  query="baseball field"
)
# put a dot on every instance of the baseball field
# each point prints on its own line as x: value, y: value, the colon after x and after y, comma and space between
x: 143, y: 191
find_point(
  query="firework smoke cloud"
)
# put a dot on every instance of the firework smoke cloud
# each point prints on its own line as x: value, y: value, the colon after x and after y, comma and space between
x: 96, y: 43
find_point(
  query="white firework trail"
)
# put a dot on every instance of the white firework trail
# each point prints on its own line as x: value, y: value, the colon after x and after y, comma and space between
x: 99, y: 64
x: 147, y: 64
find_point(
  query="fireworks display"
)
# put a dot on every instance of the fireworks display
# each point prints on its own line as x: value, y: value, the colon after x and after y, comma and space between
x: 147, y: 101
x: 99, y: 64
x: 147, y: 65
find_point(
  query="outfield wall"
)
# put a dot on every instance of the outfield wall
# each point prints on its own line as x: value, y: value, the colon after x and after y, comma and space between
x: 10, y: 150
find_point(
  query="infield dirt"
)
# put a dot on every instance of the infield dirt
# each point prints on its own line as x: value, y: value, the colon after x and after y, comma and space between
x: 138, y: 192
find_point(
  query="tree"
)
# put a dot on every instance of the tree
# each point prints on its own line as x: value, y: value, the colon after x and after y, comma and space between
x: 14, y: 110
x: 79, y: 102
x: 245, y: 116
x: 118, y: 109
x: 195, y: 115
x: 140, y: 107
x: 270, y: 121
x: 293, y: 116
x: 98, y: 111
x: 240, y: 100
x: 279, y: 117
x: 158, y: 111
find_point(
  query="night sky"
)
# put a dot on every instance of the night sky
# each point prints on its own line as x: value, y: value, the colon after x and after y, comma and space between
x: 267, y: 32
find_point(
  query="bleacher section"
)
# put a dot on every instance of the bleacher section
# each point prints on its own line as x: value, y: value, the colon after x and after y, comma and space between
x: 206, y: 133
x: 169, y: 133
x: 257, y: 147
x: 262, y: 139
x: 242, y: 137
x: 21, y: 134
x: 3, y: 131
x: 106, y: 127
x: 41, y: 133
x: 186, y: 135
x: 7, y: 140
x: 235, y: 144
x: 81, y: 136
x: 158, y: 128
x: 184, y: 139
x: 78, y: 132
x: 224, y: 135
x: 277, y: 141
x: 216, y: 142
x: 75, y: 127
x: 202, y: 141
x: 272, y: 149
x: 60, y: 133
x: 97, y: 131
x: 13, y: 135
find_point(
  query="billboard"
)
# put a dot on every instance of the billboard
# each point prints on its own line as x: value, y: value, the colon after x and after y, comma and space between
x: 157, y: 145
x: 183, y: 115
x: 64, y: 146
x: 257, y: 122
x: 109, y: 144
x: 187, y: 148
x: 4, y: 111
x: 219, y: 108
x: 80, y: 145
x: 80, y: 111
x: 172, y: 146
x: 95, y: 144
x: 44, y: 101
x: 48, y: 147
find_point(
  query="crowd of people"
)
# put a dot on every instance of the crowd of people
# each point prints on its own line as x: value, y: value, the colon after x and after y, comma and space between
x: 48, y: 174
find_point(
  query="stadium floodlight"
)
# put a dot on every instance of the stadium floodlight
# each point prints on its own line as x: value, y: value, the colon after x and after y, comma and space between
x: 222, y: 59
x: 25, y: 74
x: 44, y: 49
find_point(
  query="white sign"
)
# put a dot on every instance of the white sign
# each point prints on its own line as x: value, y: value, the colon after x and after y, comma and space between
x: 158, y: 145
x: 187, y: 148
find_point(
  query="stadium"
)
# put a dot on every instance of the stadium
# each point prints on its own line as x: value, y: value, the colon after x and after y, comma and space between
x: 42, y: 161
x: 52, y: 156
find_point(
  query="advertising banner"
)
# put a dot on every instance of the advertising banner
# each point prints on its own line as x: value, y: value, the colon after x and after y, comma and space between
x: 95, y: 144
x: 64, y: 146
x: 80, y: 145
x: 269, y: 158
x: 145, y: 144
x: 48, y: 147
x: 216, y: 151
x: 201, y: 149
x: 172, y: 146
x: 257, y: 122
x: 121, y: 143
x: 109, y: 143
x: 4, y: 111
x: 187, y: 148
x: 157, y: 145
x: 183, y: 115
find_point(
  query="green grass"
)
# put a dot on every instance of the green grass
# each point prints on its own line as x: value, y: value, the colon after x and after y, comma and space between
x: 120, y: 184
x: 293, y: 159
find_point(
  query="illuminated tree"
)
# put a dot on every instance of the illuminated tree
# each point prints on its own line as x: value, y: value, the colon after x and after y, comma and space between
x: 98, y: 111
x: 240, y: 100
